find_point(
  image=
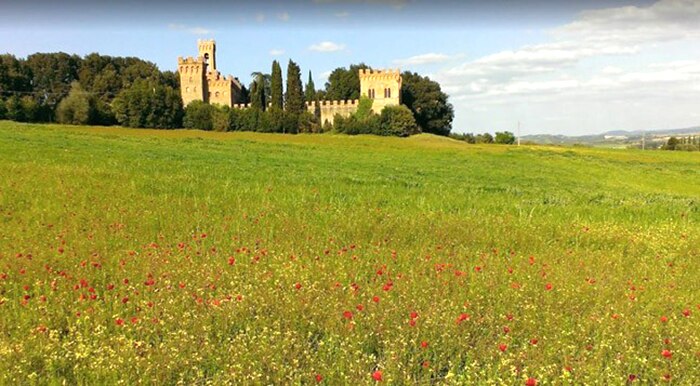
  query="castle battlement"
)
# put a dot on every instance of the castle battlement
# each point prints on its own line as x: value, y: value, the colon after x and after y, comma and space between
x: 189, y: 60
x: 389, y: 72
x: 352, y: 102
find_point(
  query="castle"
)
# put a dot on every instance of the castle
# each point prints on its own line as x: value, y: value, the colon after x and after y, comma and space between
x: 200, y: 80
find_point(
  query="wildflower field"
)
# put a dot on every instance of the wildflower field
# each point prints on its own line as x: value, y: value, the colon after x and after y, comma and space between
x: 163, y: 257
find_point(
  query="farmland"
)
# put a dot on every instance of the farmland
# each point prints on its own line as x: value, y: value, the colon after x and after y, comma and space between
x: 195, y: 257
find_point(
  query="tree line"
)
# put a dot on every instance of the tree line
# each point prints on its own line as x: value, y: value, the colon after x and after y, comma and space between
x: 105, y: 90
x: 502, y: 137
x: 689, y: 143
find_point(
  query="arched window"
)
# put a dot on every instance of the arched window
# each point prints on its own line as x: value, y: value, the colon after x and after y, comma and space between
x: 216, y: 94
x: 187, y: 89
x: 387, y: 93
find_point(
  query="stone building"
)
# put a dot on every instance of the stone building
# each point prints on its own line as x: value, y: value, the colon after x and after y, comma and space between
x: 200, y: 80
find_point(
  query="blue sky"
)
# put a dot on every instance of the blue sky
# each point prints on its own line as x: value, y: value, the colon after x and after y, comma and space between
x: 556, y: 66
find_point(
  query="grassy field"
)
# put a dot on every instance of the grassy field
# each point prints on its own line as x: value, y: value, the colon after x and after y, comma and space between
x: 161, y: 257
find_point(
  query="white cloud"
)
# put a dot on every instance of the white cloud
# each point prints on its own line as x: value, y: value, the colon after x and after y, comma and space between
x: 423, y: 59
x: 342, y: 14
x: 284, y: 16
x: 276, y: 52
x: 192, y: 30
x: 260, y: 17
x: 327, y: 46
x: 608, y: 60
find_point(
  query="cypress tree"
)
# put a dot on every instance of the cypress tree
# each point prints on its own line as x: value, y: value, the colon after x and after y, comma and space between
x: 276, y: 86
x: 295, y: 92
x: 310, y: 91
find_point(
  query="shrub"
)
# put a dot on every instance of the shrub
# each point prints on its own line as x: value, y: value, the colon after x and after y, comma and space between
x: 78, y: 108
x: 199, y: 115
x: 398, y: 121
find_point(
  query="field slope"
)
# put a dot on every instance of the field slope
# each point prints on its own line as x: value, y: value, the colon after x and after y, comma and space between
x: 183, y: 256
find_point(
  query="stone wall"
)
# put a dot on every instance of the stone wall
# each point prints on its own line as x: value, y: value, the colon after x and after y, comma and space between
x: 329, y: 109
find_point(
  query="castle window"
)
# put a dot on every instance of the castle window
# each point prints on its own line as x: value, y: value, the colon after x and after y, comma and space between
x: 216, y: 94
x: 387, y: 93
x: 370, y: 93
x: 187, y: 89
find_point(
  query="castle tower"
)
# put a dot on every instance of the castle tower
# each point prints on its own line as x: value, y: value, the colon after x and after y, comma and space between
x: 193, y: 79
x: 382, y: 86
x: 207, y: 50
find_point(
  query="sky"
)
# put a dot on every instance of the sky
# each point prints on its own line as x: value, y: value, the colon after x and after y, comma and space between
x: 557, y: 67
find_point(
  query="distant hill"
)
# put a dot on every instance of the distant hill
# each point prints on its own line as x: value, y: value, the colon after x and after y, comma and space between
x: 614, y: 138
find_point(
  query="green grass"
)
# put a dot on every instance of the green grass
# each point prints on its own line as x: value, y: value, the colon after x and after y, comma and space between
x: 427, y: 224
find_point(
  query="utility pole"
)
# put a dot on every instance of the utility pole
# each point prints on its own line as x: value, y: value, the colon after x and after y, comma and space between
x: 518, y: 133
x: 644, y: 139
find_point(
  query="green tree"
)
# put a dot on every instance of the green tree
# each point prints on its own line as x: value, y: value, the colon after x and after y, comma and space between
x: 276, y: 97
x: 78, y: 108
x: 257, y: 93
x: 52, y: 75
x: 267, y: 85
x: 505, y: 137
x: 398, y: 121
x: 14, y: 109
x: 15, y: 76
x: 295, y: 93
x: 484, y: 138
x: 344, y: 84
x: 147, y: 103
x: 199, y: 115
x: 428, y: 103
x: 310, y: 89
x: 671, y: 144
x: 3, y: 110
x: 220, y: 118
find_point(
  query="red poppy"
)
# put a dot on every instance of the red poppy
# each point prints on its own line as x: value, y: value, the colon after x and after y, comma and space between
x: 664, y: 319
x: 119, y: 322
x: 631, y: 378
x: 360, y: 307
x: 319, y: 378
x: 377, y: 376
x: 347, y: 315
x: 667, y: 354
x: 686, y: 312
x: 413, y: 315
x: 533, y: 341
x: 531, y: 382
x: 548, y: 286
x: 297, y: 286
x: 375, y: 299
x: 503, y: 347
x: 462, y: 317
x: 424, y: 344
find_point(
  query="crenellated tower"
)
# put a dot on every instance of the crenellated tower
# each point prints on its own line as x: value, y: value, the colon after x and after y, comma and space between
x: 382, y: 86
x: 207, y: 50
x: 193, y: 79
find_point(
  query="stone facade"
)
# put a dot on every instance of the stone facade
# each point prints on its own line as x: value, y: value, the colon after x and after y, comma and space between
x: 200, y: 80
